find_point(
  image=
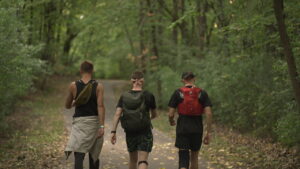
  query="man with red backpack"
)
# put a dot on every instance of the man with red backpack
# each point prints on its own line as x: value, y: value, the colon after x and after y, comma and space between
x: 191, y: 102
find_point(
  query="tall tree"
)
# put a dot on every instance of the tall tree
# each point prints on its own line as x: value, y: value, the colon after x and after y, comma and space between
x: 174, y: 19
x: 287, y: 49
x: 183, y: 26
x: 202, y: 7
x: 142, y: 37
x: 50, y: 19
x: 154, y: 16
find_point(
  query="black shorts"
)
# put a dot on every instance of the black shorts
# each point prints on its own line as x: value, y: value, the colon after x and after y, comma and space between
x: 190, y: 141
x: 140, y: 142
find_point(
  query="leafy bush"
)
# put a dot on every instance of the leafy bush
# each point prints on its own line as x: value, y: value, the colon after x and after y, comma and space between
x: 18, y: 65
x: 288, y: 128
x: 249, y: 93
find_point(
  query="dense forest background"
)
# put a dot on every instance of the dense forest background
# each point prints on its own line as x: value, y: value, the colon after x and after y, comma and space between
x: 245, y: 53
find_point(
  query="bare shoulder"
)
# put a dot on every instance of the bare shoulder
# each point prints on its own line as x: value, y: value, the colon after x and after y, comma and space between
x: 72, y: 83
x: 100, y: 86
x: 72, y: 86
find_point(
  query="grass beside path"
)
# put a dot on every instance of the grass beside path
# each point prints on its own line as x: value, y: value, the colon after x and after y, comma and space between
x: 35, y: 135
x: 232, y: 150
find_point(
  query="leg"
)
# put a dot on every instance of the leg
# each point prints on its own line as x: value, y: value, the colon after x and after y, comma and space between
x: 183, y: 144
x: 184, y: 159
x: 194, y: 159
x: 195, y: 142
x: 93, y: 164
x: 133, y: 157
x: 79, y: 157
x: 142, y: 158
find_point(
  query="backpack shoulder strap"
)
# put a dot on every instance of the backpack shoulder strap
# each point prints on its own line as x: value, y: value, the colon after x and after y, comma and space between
x: 125, y: 95
x: 78, y: 81
x: 184, y: 89
x: 94, y: 81
x: 180, y: 91
x: 143, y: 93
x: 199, y: 90
x: 91, y: 81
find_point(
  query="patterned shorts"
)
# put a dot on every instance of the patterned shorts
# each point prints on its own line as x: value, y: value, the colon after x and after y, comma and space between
x: 140, y: 142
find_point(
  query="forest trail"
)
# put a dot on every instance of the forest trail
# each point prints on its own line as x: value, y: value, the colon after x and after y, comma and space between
x: 163, y: 156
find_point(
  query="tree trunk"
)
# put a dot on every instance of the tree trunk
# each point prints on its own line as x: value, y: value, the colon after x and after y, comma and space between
x: 155, y: 17
x: 287, y: 49
x: 222, y: 21
x: 49, y: 27
x: 71, y: 35
x: 30, y: 29
x: 175, y: 18
x: 141, y: 59
x: 130, y: 41
x: 89, y: 43
x: 183, y: 24
x: 202, y: 9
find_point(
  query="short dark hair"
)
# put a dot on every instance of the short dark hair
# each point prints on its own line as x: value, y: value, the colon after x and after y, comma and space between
x: 86, y: 67
x: 137, y: 75
x: 187, y: 75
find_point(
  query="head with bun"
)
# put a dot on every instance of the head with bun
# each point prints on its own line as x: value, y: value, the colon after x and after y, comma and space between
x: 137, y: 80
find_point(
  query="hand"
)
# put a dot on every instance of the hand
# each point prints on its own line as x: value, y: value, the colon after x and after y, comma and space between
x: 172, y: 122
x: 113, y: 139
x: 206, y: 139
x: 100, y: 132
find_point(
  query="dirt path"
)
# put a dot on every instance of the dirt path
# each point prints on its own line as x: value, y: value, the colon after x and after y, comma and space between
x: 163, y: 156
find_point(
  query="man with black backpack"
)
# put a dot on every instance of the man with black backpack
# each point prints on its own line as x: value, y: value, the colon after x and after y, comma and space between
x: 191, y: 102
x: 133, y: 111
x: 86, y: 95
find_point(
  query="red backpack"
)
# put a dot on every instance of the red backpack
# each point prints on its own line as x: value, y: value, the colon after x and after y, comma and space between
x: 190, y: 104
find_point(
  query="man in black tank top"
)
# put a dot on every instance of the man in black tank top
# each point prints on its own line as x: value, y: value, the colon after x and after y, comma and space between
x: 88, y: 120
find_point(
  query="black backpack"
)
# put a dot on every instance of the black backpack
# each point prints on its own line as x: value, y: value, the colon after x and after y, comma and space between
x: 135, y: 116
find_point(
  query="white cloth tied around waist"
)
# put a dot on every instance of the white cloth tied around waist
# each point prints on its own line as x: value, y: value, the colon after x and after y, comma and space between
x: 83, y: 137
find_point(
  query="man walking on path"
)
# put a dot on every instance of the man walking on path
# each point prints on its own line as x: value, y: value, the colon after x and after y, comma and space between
x: 87, y: 131
x: 191, y: 102
x: 133, y: 112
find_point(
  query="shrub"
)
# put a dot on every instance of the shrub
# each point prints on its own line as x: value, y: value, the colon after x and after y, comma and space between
x: 18, y: 65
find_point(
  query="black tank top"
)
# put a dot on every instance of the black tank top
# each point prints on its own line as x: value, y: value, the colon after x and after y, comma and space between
x: 90, y: 108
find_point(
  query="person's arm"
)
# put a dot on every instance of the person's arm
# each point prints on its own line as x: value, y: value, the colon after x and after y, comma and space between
x: 101, y: 109
x: 174, y: 101
x: 208, y: 120
x: 115, y: 125
x: 153, y: 114
x: 171, y: 116
x: 70, y: 97
x: 152, y: 107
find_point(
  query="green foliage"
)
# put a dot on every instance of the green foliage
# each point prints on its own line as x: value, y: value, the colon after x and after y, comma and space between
x: 243, y: 72
x: 232, y: 46
x: 288, y: 129
x: 107, y: 68
x: 18, y: 65
x: 169, y: 81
